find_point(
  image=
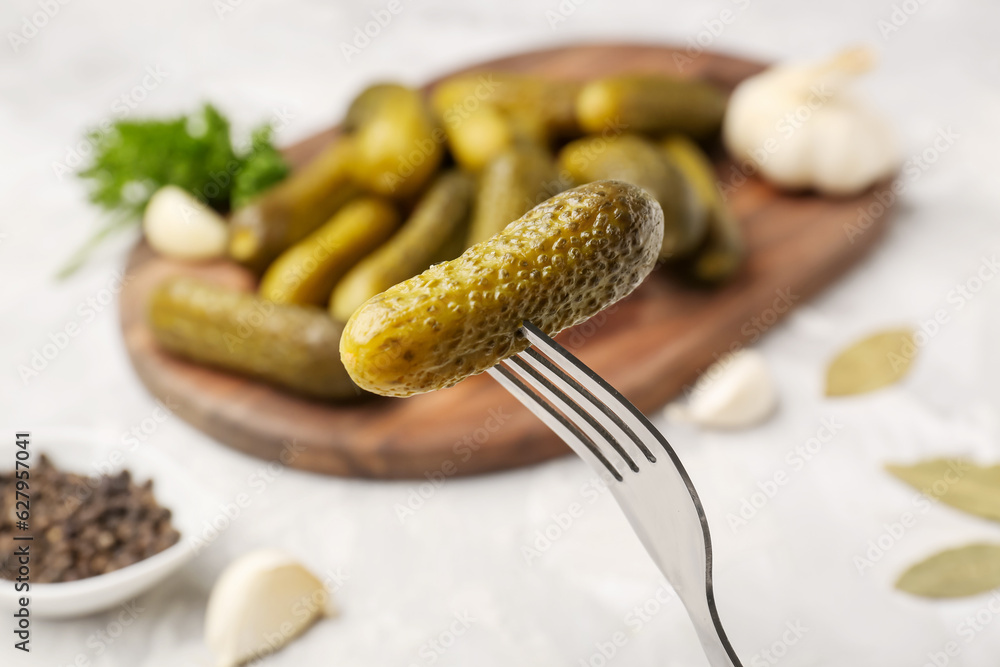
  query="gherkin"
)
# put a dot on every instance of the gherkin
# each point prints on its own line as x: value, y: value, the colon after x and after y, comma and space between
x: 509, y: 186
x: 294, y: 208
x: 651, y: 104
x: 294, y: 347
x: 722, y: 252
x: 556, y: 266
x: 635, y: 159
x: 307, y: 272
x: 434, y: 232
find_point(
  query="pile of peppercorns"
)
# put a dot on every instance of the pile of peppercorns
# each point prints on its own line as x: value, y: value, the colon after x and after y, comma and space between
x: 82, y: 526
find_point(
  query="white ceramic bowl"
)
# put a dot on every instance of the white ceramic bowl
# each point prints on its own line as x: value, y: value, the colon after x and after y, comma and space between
x: 81, y: 451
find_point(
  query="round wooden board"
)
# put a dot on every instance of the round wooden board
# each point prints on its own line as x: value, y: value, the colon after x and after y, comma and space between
x: 649, y: 346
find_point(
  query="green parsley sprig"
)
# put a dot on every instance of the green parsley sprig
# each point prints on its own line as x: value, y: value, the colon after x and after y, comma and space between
x: 132, y: 159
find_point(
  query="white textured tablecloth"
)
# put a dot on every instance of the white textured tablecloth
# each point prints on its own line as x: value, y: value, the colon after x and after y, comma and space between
x: 788, y: 583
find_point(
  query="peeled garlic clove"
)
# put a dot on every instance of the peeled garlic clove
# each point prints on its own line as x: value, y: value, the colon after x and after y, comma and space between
x: 735, y: 392
x: 262, y: 601
x: 179, y: 226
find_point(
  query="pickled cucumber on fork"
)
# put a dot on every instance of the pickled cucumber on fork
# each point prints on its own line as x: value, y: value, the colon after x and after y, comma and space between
x: 634, y: 159
x: 559, y: 264
x: 294, y: 347
x: 511, y: 184
x: 433, y: 232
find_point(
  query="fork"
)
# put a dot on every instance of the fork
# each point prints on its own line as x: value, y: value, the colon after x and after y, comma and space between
x: 647, y: 478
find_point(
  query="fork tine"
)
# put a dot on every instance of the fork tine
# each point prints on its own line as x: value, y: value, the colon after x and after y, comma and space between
x: 570, y: 434
x: 583, y: 420
x: 605, y: 393
x: 594, y: 384
x: 587, y: 400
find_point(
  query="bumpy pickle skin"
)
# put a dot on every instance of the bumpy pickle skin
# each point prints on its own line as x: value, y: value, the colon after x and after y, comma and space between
x: 307, y: 272
x: 651, y: 104
x: 426, y: 236
x: 481, y: 136
x: 556, y: 266
x: 723, y: 251
x: 637, y: 160
x: 294, y: 347
x: 509, y: 186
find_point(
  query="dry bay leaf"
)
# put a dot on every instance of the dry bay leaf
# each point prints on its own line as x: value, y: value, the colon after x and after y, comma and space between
x: 871, y: 363
x: 962, y: 484
x: 968, y: 570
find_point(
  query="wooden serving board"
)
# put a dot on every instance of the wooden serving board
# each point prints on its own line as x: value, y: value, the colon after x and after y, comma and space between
x: 649, y: 346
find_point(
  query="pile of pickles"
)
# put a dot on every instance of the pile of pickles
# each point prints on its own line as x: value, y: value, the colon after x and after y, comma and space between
x: 416, y: 179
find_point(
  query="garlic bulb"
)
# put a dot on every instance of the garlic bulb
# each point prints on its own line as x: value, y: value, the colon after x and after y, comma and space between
x: 799, y: 126
x: 262, y: 601
x: 179, y: 226
x: 735, y: 392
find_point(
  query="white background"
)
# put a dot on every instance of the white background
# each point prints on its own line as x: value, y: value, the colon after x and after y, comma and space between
x: 792, y: 563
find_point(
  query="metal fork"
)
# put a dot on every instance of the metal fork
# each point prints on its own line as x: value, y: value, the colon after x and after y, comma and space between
x: 646, y: 477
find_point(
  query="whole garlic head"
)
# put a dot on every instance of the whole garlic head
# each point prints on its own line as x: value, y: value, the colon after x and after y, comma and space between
x: 179, y: 226
x: 801, y: 128
x: 736, y: 391
x: 261, y: 602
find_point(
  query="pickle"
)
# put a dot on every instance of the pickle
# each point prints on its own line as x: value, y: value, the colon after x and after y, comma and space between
x: 559, y: 264
x: 551, y: 102
x: 487, y: 132
x: 425, y: 236
x: 480, y: 137
x: 294, y: 347
x: 293, y: 208
x: 510, y: 185
x: 399, y: 146
x: 722, y: 252
x: 307, y: 272
x: 364, y: 106
x: 633, y: 159
x: 651, y: 104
